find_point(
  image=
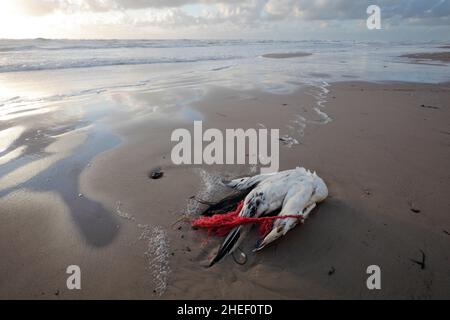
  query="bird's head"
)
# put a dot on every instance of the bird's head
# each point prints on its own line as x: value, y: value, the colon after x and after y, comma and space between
x: 273, y: 235
x: 280, y: 228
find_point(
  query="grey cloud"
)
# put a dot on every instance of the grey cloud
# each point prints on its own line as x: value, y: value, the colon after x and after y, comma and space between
x: 354, y: 9
x: 257, y: 11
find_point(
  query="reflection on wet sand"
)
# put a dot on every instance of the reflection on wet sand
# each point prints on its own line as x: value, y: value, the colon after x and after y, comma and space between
x: 41, y: 160
x: 8, y: 136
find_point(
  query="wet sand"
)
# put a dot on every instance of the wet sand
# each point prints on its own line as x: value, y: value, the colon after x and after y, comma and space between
x: 286, y: 55
x: 384, y: 156
x: 434, y: 56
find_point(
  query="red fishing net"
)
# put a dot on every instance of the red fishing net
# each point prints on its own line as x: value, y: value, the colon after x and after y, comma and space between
x: 221, y: 224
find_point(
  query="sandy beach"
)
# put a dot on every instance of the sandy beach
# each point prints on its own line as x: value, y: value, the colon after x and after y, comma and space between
x: 382, y: 149
x: 197, y: 154
x: 434, y: 56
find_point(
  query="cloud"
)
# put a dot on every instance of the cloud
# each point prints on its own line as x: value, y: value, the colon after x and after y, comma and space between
x: 43, y: 7
x: 305, y: 9
x: 355, y: 9
x: 251, y: 12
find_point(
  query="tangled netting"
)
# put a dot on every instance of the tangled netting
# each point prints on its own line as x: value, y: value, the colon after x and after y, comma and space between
x: 221, y: 224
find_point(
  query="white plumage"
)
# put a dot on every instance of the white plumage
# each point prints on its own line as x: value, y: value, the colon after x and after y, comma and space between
x: 295, y: 191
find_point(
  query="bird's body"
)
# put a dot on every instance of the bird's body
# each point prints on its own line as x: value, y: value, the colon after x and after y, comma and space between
x: 295, y: 191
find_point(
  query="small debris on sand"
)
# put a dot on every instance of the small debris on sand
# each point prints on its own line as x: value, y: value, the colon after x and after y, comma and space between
x: 331, y: 271
x: 240, y: 258
x: 422, y: 262
x: 288, y: 141
x: 428, y: 107
x: 156, y: 173
x: 413, y: 207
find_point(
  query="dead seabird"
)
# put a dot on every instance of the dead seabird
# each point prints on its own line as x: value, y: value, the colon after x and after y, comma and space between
x: 295, y: 192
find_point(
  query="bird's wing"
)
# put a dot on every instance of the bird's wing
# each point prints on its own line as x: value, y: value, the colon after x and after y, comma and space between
x: 246, y: 183
x: 295, y: 191
x: 231, y: 242
x: 266, y: 197
x: 297, y: 198
x: 320, y: 190
x: 297, y: 202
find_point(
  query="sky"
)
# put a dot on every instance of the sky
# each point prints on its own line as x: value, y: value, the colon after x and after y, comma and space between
x: 420, y: 20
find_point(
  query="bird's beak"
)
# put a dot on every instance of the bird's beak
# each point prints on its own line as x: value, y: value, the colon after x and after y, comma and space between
x: 260, y: 246
x: 273, y: 235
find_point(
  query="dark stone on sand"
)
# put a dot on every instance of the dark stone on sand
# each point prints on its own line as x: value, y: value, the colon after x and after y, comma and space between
x: 415, y: 210
x: 156, y: 173
x: 331, y: 271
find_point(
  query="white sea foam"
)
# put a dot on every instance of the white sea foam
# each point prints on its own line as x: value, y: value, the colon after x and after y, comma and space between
x: 299, y: 124
x: 321, y: 100
x: 121, y: 213
x: 211, y: 184
x: 325, y: 117
x: 157, y: 255
x: 76, y: 64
